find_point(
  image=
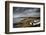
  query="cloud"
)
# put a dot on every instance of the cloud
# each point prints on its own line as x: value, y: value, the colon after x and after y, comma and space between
x: 26, y: 12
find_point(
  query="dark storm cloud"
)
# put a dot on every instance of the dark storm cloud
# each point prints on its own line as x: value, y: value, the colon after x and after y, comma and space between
x: 26, y: 12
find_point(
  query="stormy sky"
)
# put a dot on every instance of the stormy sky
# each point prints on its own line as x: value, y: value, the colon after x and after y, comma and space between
x: 26, y: 12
